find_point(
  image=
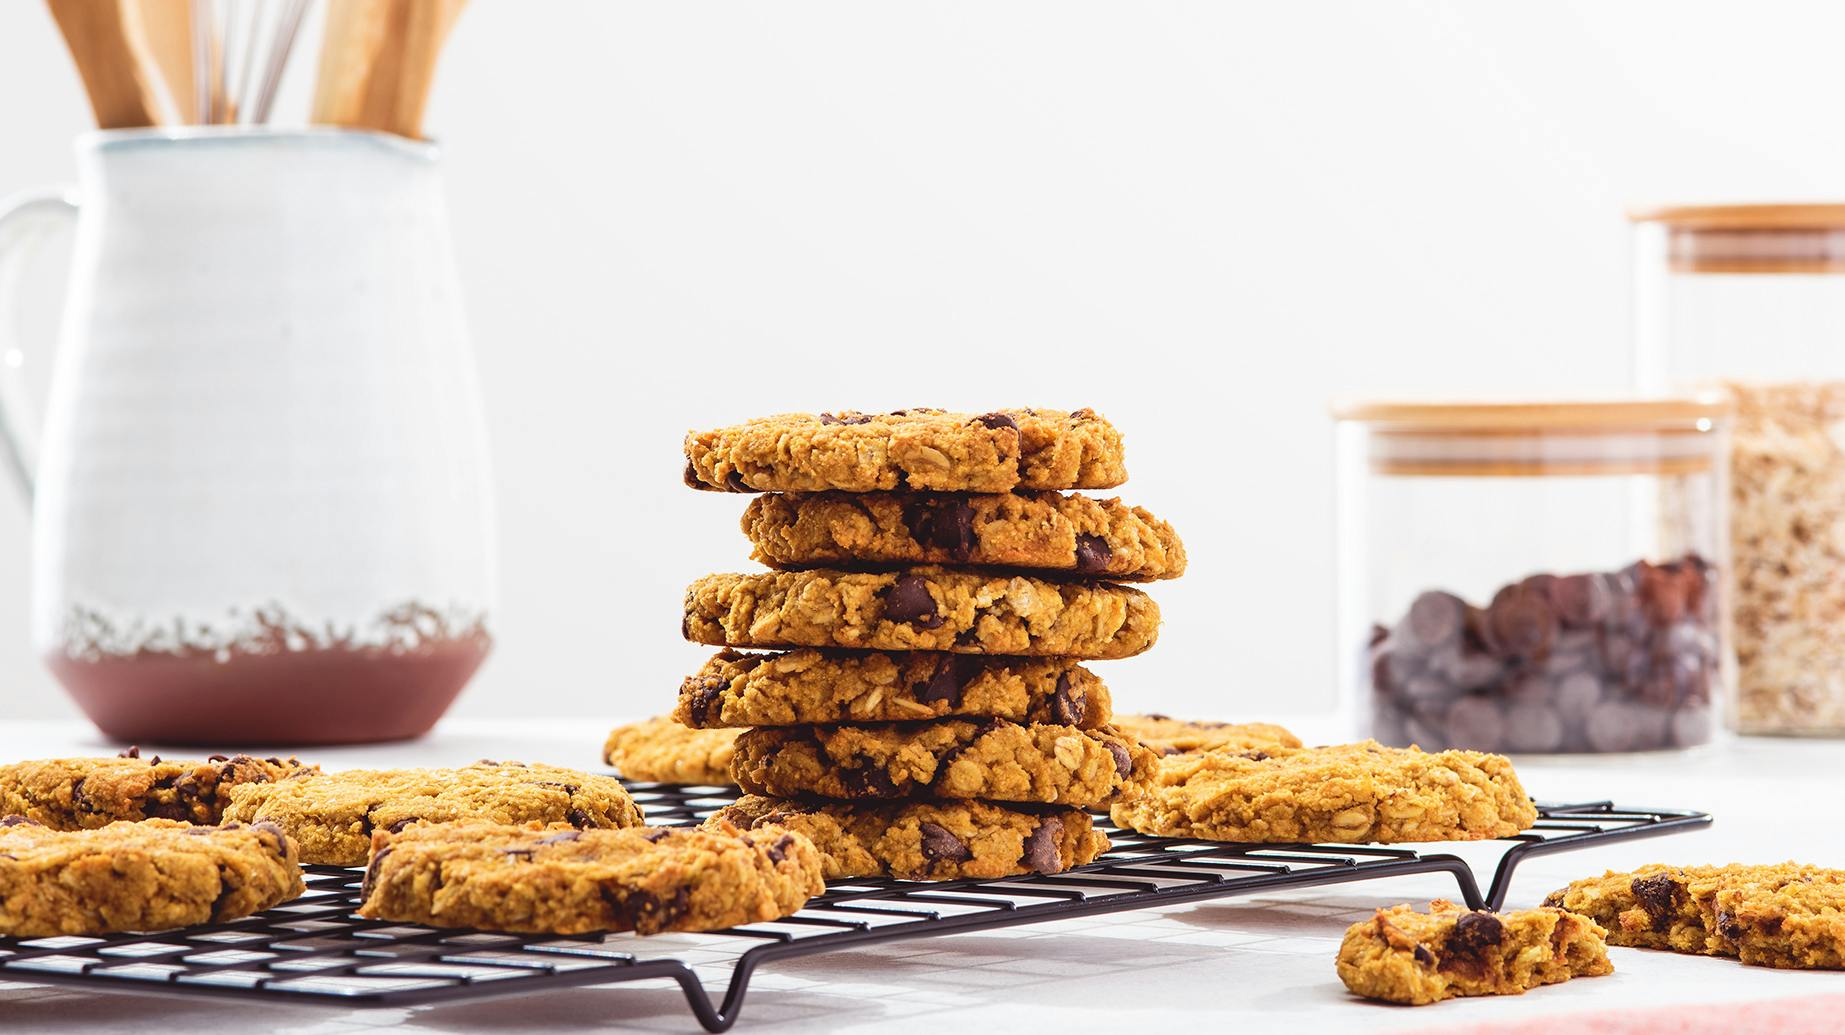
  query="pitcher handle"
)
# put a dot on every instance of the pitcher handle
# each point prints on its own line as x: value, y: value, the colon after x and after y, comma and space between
x: 26, y: 220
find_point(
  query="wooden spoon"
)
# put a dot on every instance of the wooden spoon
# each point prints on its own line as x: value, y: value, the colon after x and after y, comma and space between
x: 98, y: 41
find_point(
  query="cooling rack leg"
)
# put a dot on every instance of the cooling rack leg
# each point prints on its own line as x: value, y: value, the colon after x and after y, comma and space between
x: 695, y: 997
x: 1463, y: 876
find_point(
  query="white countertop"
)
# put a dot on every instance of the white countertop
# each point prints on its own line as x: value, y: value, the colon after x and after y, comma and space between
x: 1253, y: 963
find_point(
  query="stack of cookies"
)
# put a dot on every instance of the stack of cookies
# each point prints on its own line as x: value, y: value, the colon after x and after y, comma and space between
x: 924, y: 713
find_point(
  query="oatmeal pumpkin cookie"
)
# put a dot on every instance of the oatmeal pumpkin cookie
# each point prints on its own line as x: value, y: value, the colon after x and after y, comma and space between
x: 1350, y: 793
x: 148, y: 875
x: 663, y: 750
x: 925, y: 609
x: 333, y: 815
x: 924, y: 450
x: 1170, y: 736
x: 952, y: 758
x: 88, y: 793
x: 928, y: 840
x: 533, y: 878
x: 1032, y: 530
x: 827, y: 686
x: 1781, y: 915
x: 1402, y: 956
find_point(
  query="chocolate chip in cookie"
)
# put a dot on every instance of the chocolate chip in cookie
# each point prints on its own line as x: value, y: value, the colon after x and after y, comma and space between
x: 1658, y: 896
x: 939, y: 844
x: 1041, y: 847
x: 1473, y: 934
x: 1092, y: 554
x: 908, y: 600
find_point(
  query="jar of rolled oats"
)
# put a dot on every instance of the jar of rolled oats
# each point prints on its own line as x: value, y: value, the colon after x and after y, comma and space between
x: 1750, y: 300
x: 1536, y: 577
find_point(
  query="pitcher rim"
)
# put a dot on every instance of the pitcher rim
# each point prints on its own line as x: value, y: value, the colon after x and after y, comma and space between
x: 154, y: 136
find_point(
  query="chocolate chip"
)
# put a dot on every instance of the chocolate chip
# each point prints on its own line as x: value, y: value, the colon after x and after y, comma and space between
x: 561, y: 837
x: 134, y: 751
x: 1124, y: 762
x: 939, y: 844
x: 1520, y: 623
x: 1580, y: 600
x: 1423, y: 955
x: 18, y: 821
x: 952, y: 674
x: 869, y: 781
x: 1092, y: 553
x: 1729, y: 926
x: 849, y: 418
x: 1533, y: 727
x: 79, y: 800
x: 908, y: 600
x: 735, y: 480
x: 1068, y: 705
x: 1475, y: 723
x: 997, y: 420
x: 647, y: 913
x: 704, y: 698
x: 371, y: 872
x: 1473, y: 934
x: 942, y: 524
x: 654, y: 837
x: 578, y: 818
x: 219, y: 758
x: 691, y: 477
x: 1041, y: 852
x: 401, y: 825
x: 1658, y: 895
x: 1434, y: 618
x: 779, y: 850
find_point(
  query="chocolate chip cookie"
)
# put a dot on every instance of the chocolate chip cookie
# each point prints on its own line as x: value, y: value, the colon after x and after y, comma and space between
x: 825, y: 686
x: 1170, y: 736
x: 87, y: 793
x: 925, y: 450
x: 662, y: 750
x: 953, y: 758
x: 925, y: 609
x: 1782, y: 915
x: 333, y: 815
x: 928, y: 840
x: 1033, y: 530
x: 1351, y: 793
x: 1402, y: 956
x: 549, y: 880
x: 149, y: 875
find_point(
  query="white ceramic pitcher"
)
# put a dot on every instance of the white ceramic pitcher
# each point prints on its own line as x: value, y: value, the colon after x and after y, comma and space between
x: 262, y: 511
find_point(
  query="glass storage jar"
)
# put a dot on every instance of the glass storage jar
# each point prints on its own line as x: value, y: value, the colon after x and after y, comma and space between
x: 1533, y: 577
x: 1750, y: 300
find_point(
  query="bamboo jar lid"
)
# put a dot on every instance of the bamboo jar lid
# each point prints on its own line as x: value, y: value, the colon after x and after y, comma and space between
x: 1564, y: 438
x: 1764, y: 238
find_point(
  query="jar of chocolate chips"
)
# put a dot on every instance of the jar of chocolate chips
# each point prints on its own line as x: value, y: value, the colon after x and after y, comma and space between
x: 1543, y: 577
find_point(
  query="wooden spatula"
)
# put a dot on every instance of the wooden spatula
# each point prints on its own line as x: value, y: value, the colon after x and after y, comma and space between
x: 160, y: 31
x: 98, y: 41
x: 377, y: 61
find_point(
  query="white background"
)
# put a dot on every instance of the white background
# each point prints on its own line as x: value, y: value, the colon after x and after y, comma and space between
x: 1204, y: 219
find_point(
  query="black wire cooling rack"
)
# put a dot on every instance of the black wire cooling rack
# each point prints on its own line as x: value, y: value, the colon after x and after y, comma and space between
x: 315, y: 949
